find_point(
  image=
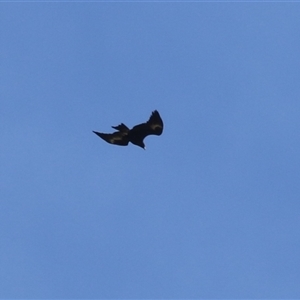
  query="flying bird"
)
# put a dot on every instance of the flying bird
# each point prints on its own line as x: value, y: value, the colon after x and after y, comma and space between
x: 136, y: 135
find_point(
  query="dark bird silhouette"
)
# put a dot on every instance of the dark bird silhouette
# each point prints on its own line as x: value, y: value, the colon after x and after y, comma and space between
x: 136, y: 135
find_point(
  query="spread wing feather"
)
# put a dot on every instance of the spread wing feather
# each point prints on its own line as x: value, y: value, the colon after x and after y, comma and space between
x: 116, y: 138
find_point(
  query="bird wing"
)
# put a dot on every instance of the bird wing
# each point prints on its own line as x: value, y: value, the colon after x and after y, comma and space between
x: 116, y: 138
x: 155, y: 123
x: 153, y: 126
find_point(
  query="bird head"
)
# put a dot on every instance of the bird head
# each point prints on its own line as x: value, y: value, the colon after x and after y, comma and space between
x: 140, y: 144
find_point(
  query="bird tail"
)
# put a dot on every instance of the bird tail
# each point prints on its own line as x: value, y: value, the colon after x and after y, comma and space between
x: 122, y: 127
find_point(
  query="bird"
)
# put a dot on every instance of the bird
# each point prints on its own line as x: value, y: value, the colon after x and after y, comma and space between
x: 136, y: 135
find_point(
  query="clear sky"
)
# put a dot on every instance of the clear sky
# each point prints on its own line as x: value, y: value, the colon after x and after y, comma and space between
x: 210, y: 209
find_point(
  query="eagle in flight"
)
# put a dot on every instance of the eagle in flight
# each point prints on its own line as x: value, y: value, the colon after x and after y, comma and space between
x: 136, y: 135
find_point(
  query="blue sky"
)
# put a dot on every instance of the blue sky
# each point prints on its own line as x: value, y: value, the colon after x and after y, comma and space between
x: 209, y: 210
